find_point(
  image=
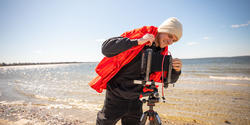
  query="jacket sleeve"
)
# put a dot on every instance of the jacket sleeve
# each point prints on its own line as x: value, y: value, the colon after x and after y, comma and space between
x: 175, y: 76
x: 115, y: 45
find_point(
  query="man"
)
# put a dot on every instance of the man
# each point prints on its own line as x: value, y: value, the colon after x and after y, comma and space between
x: 122, y: 95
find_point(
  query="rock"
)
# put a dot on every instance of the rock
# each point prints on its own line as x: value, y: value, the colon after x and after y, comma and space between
x: 227, y: 122
x: 194, y: 121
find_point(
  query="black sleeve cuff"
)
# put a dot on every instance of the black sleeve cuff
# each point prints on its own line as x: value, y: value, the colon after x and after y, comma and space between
x: 134, y: 42
x: 176, y: 72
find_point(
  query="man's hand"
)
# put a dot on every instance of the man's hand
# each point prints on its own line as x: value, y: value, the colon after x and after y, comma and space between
x: 177, y: 64
x: 146, y: 38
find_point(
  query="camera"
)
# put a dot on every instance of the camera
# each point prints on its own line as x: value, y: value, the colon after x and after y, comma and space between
x: 156, y: 62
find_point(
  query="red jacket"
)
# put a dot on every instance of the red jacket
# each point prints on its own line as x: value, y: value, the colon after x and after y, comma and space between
x: 109, y: 66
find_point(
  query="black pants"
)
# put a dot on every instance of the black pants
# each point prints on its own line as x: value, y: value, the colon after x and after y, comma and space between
x: 129, y: 111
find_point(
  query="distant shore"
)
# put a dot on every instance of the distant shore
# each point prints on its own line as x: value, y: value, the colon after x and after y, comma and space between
x: 45, y: 63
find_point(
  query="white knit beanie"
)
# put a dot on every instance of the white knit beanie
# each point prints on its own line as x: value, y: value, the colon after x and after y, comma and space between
x: 172, y: 26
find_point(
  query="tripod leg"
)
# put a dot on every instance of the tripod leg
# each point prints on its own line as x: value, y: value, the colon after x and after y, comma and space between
x: 157, y: 119
x: 143, y: 118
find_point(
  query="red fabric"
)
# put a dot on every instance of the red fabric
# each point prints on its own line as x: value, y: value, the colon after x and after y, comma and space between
x: 146, y: 89
x: 109, y: 66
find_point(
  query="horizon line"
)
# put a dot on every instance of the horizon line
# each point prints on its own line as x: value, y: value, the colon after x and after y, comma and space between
x: 53, y: 62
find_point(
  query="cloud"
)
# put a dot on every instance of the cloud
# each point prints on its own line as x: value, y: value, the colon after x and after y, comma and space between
x: 192, y: 43
x: 205, y: 38
x: 100, y: 40
x: 240, y: 25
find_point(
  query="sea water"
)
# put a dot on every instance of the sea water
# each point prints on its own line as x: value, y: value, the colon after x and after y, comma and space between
x: 209, y: 90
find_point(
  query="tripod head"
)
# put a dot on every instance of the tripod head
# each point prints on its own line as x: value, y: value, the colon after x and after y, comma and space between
x: 153, y: 96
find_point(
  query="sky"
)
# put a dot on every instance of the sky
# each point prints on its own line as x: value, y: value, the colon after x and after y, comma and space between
x: 74, y: 30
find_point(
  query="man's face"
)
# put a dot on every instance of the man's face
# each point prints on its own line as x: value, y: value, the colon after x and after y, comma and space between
x: 166, y: 39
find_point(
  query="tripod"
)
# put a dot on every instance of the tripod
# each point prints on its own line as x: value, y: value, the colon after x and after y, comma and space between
x: 153, y: 97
